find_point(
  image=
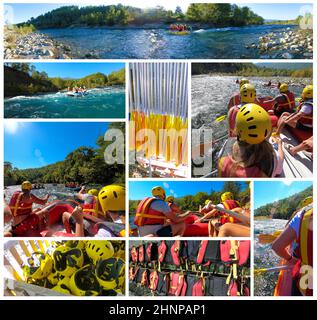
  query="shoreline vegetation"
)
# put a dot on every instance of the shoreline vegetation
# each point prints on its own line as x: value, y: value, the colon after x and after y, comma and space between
x: 26, y: 41
x: 84, y: 165
x: 248, y: 70
x: 284, y: 208
x: 24, y: 79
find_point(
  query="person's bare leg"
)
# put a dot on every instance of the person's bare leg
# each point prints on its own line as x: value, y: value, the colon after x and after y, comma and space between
x: 43, y: 215
x: 77, y: 214
x: 65, y: 218
x: 234, y: 230
x: 281, y: 122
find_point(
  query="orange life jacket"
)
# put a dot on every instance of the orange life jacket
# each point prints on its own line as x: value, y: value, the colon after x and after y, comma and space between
x: 234, y: 100
x: 304, y: 249
x: 232, y: 115
x: 226, y: 168
x: 307, y: 119
x: 229, y: 205
x: 285, y: 101
x: 145, y: 215
x: 18, y: 206
x: 92, y: 208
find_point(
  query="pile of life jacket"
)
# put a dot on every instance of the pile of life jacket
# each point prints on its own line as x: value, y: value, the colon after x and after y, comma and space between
x: 191, y: 268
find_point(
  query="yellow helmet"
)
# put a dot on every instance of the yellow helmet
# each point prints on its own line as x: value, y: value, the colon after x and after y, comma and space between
x: 247, y: 93
x: 308, y: 92
x: 226, y: 196
x: 112, y: 198
x: 84, y: 282
x: 93, y: 192
x: 99, y: 249
x: 243, y: 81
x: 79, y: 244
x: 119, y: 248
x: 67, y: 260
x: 158, y: 192
x: 305, y: 202
x: 26, y: 185
x: 39, y: 268
x: 283, y: 87
x: 62, y: 289
x: 169, y: 199
x: 253, y: 124
x: 53, y: 277
x: 110, y: 273
x: 207, y: 202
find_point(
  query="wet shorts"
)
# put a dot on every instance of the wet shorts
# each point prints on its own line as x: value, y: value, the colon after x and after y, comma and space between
x: 165, y: 232
x: 150, y: 229
x: 29, y: 226
x: 87, y: 226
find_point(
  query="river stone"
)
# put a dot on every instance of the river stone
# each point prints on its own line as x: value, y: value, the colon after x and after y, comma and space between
x: 287, y: 55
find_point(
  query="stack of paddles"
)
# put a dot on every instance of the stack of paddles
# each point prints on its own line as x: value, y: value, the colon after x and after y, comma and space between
x: 191, y: 268
x: 158, y: 99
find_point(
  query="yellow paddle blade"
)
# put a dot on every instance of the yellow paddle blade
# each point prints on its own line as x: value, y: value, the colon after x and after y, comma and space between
x: 298, y: 99
x: 221, y: 118
x: 266, y: 238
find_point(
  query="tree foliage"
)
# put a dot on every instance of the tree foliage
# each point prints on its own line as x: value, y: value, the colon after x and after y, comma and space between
x: 24, y: 79
x: 248, y: 70
x: 284, y: 208
x: 213, y: 14
x: 84, y: 165
x: 192, y: 202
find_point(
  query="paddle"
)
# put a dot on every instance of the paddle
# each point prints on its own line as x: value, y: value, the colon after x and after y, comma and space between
x: 221, y: 118
x: 267, y: 238
x: 274, y: 269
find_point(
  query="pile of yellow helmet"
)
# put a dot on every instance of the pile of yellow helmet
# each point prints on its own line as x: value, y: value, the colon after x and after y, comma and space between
x: 80, y: 268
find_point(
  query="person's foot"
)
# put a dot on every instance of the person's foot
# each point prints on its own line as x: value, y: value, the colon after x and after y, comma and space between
x: 77, y: 214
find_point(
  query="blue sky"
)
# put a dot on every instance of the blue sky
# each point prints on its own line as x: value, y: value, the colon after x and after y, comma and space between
x: 141, y: 189
x: 270, y: 191
x: 23, y: 12
x: 36, y: 144
x: 280, y: 11
x: 76, y: 70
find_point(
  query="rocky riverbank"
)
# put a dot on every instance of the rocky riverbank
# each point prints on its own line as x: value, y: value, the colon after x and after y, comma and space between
x: 33, y: 46
x: 285, y: 45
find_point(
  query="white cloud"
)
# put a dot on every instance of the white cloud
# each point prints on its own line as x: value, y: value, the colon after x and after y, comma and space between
x: 175, y: 195
x: 171, y: 191
x: 288, y: 182
x: 38, y: 155
x: 166, y: 185
x: 11, y: 126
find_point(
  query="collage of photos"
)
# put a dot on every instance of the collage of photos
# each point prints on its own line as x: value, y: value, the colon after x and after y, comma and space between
x: 160, y: 149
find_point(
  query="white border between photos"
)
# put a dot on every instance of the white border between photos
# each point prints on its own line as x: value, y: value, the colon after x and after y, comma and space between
x: 126, y: 61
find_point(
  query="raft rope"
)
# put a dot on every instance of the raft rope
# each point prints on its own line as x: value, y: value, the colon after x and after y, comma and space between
x: 158, y: 99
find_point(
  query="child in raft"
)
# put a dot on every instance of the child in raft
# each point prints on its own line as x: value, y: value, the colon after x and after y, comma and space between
x: 251, y: 154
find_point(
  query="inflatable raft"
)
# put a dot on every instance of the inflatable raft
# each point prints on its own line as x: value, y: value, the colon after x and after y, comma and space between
x: 179, y: 33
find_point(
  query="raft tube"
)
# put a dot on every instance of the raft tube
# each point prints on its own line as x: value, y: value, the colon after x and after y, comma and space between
x: 179, y: 33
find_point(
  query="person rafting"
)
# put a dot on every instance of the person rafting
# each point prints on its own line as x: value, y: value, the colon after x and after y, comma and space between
x: 250, y: 154
x: 247, y: 95
x: 306, y: 147
x: 27, y: 221
x: 154, y: 217
x: 302, y: 119
x: 222, y: 224
x: 235, y: 98
x: 295, y: 247
x: 191, y: 217
x: 112, y: 205
x: 285, y: 101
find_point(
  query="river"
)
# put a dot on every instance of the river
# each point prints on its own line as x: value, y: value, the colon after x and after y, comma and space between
x: 136, y: 43
x: 98, y: 103
x: 264, y: 257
